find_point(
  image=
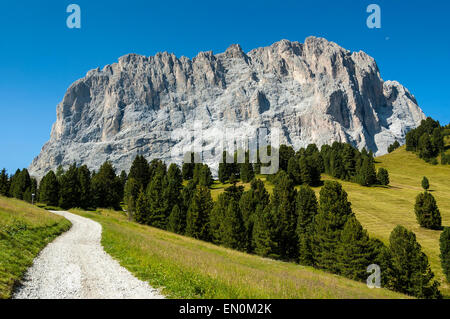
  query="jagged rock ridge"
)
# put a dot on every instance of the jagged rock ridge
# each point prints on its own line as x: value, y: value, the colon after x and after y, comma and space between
x: 316, y: 92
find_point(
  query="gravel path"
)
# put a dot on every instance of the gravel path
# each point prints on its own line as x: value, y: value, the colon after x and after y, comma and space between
x: 75, y: 266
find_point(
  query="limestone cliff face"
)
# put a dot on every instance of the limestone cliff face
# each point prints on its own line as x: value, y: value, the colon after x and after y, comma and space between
x: 316, y: 92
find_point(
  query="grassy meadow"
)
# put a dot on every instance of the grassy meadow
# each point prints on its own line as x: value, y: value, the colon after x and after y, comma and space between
x: 188, y: 268
x: 24, y: 231
x: 380, y: 209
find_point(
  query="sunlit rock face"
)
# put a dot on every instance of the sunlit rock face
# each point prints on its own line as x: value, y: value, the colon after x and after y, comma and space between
x: 316, y: 92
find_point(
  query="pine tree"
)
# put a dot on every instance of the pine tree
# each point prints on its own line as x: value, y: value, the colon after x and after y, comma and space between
x: 247, y: 173
x: 49, y: 190
x: 157, y: 167
x: 217, y: 217
x: 4, y: 183
x: 256, y: 195
x: 69, y: 190
x: 383, y: 177
x: 425, y: 183
x: 285, y: 153
x: 141, y: 214
x: 158, y: 201
x: 140, y: 171
x: 285, y: 216
x: 197, y: 220
x: 187, y: 194
x: 305, y: 171
x: 106, y: 187
x: 306, y: 205
x: 445, y: 252
x: 413, y: 275
x: 233, y: 235
x: 334, y: 211
x: 225, y: 169
x: 188, y: 166
x: 174, y: 187
x: 123, y: 177
x: 131, y: 192
x: 355, y: 252
x: 425, y: 146
x: 20, y: 183
x: 367, y: 175
x: 348, y: 157
x: 202, y: 175
x: 177, y: 220
x: 265, y: 234
x: 293, y: 170
x: 84, y: 178
x: 427, y: 212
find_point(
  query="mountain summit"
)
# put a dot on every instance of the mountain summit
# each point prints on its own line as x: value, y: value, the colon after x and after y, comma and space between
x: 316, y: 92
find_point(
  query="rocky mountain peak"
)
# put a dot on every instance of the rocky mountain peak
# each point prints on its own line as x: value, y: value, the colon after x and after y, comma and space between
x: 317, y: 92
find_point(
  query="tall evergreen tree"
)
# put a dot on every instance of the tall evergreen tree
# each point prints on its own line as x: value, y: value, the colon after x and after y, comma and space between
x: 142, y: 210
x: 225, y: 169
x: 202, y: 175
x: 334, y: 211
x: 188, y: 166
x: 413, y: 275
x: 187, y: 193
x: 197, y: 221
x: 84, y: 178
x: 20, y: 183
x: 444, y: 242
x: 49, y: 190
x: 106, y: 187
x: 355, y: 250
x: 427, y: 212
x: 367, y: 175
x: 293, y: 170
x: 247, y: 173
x: 131, y: 192
x: 158, y: 201
x: 174, y: 187
x: 285, y: 153
x: 140, y: 171
x: 306, y: 205
x: 283, y: 209
x: 4, y: 183
x: 265, y: 234
x: 219, y: 212
x: 177, y: 220
x: 233, y: 227
x: 69, y: 190
x: 249, y: 201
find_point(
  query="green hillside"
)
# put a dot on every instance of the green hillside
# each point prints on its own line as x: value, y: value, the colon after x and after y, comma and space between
x: 189, y: 268
x: 24, y: 231
x: 380, y: 209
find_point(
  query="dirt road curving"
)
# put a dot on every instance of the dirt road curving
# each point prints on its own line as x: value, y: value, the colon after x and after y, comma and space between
x: 75, y: 266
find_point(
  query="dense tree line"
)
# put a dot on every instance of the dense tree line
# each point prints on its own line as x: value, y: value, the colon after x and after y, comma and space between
x: 427, y: 141
x: 19, y: 185
x: 288, y: 225
x: 76, y: 187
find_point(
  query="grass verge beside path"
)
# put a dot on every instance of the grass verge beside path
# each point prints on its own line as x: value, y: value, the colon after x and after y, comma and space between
x: 24, y: 231
x: 189, y: 268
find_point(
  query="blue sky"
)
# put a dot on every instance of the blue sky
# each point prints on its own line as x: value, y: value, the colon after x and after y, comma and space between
x: 40, y: 57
